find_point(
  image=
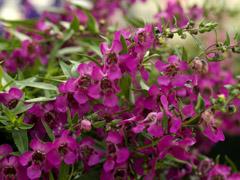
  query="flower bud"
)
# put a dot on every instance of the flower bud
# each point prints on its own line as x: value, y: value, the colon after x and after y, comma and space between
x: 183, y: 36
x: 221, y: 99
x: 86, y: 125
x: 194, y: 31
x: 157, y: 31
x: 161, y: 40
x: 200, y: 65
x: 231, y: 108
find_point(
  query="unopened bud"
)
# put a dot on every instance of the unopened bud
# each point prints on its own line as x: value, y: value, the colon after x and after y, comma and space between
x: 86, y: 125
x: 157, y: 31
x: 221, y: 99
x: 194, y: 31
x: 183, y: 36
x: 231, y: 108
x: 199, y: 65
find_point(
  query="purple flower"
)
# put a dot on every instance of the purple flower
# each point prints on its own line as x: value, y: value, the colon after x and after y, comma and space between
x: 14, y: 61
x: 219, y: 172
x: 111, y: 57
x: 211, y: 130
x: 36, y: 160
x: 52, y: 113
x: 153, y: 123
x: 234, y: 176
x: 173, y: 9
x: 29, y: 10
x: 5, y: 150
x: 64, y: 148
x: 117, y: 155
x: 119, y: 172
x: 144, y: 39
x: 88, y: 153
x: 105, y: 88
x: 11, y: 98
x: 10, y: 169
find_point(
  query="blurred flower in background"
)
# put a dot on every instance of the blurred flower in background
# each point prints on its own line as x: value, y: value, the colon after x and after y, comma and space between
x: 19, y: 9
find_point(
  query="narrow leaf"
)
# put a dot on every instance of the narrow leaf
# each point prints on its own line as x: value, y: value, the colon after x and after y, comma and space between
x: 92, y: 24
x: 20, y: 138
x: 40, y: 99
x: 64, y: 172
x: 200, y: 104
x: 124, y: 45
x: 75, y: 24
x: 49, y: 131
x: 66, y: 69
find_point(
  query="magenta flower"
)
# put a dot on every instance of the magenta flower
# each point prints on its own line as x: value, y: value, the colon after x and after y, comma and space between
x: 11, y: 98
x: 144, y: 39
x: 10, y: 169
x: 88, y: 153
x: 52, y: 113
x: 111, y: 57
x: 211, y: 130
x: 116, y: 154
x: 153, y: 123
x: 173, y: 8
x: 105, y: 88
x: 36, y: 160
x: 64, y: 149
x: 5, y: 150
x: 219, y: 172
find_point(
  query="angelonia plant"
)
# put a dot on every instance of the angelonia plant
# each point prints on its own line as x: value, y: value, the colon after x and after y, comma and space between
x: 81, y: 98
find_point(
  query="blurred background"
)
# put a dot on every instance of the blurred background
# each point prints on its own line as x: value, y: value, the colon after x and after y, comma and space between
x: 21, y: 9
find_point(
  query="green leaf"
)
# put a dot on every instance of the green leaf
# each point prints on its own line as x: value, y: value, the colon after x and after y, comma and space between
x: 20, y: 108
x: 108, y: 41
x: 124, y: 45
x: 138, y: 23
x: 200, y: 104
x: 92, y: 174
x: 144, y: 86
x: 51, y: 177
x: 165, y: 122
x: 22, y: 84
x: 125, y: 84
x: 25, y: 22
x: 89, y: 58
x: 49, y: 131
x: 82, y: 4
x: 237, y: 37
x: 184, y: 54
x: 66, y: 36
x: 175, y: 21
x: 99, y: 124
x: 92, y: 25
x: 39, y: 85
x: 69, y: 50
x: 93, y: 47
x: 147, y: 58
x: 231, y: 163
x: 227, y: 41
x: 40, y: 99
x: 66, y: 69
x: 19, y: 35
x: 25, y: 126
x: 64, y: 172
x: 20, y: 138
x: 75, y: 24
